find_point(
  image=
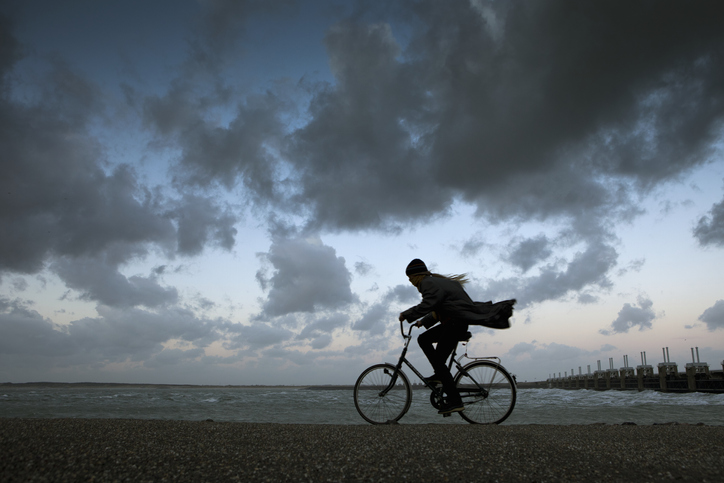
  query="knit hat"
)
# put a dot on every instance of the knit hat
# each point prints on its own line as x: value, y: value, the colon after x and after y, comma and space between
x: 415, y: 266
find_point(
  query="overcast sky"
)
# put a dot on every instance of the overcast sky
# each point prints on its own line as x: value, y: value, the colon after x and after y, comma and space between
x: 228, y: 192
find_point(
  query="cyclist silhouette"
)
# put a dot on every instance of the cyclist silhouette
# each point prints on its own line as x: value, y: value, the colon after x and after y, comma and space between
x: 444, y: 300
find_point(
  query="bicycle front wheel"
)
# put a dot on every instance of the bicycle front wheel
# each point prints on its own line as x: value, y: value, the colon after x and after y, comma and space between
x: 488, y: 392
x: 382, y: 395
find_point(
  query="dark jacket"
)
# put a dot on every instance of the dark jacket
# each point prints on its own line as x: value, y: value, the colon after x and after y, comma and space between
x: 451, y: 304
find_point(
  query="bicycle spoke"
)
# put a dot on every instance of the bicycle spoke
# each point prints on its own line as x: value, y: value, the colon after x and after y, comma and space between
x: 488, y: 392
x: 377, y: 400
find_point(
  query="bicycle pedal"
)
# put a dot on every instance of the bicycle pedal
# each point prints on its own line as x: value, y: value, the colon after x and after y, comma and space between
x: 447, y: 415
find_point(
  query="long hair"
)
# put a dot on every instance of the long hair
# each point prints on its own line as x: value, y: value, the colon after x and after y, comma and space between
x: 461, y: 278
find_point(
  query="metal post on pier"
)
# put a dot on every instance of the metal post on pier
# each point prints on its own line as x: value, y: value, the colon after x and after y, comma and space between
x: 643, y: 372
x: 611, y: 373
x: 626, y: 373
x: 579, y: 378
x: 667, y: 370
x: 589, y: 375
x: 696, y: 370
x: 598, y: 378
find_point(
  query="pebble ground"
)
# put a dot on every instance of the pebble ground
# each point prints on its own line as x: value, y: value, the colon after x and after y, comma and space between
x: 100, y: 450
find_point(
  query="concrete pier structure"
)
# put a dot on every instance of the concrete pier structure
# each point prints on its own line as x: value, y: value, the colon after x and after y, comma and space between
x: 626, y: 375
x: 645, y: 375
x: 696, y: 370
x: 697, y: 376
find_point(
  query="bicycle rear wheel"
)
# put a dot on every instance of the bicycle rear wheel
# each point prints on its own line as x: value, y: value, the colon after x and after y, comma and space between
x: 381, y: 395
x: 488, y: 392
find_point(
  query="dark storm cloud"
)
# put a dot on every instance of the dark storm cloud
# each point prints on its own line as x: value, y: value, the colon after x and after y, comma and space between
x: 710, y: 229
x: 64, y: 207
x: 549, y: 111
x: 57, y: 199
x: 238, y: 153
x: 10, y: 49
x: 554, y: 111
x: 222, y: 25
x: 713, y: 317
x: 554, y: 115
x: 186, y: 117
x: 202, y: 222
x: 308, y: 276
x: 359, y: 163
x: 631, y: 316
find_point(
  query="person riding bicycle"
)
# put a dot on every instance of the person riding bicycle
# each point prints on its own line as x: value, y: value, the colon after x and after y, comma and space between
x: 444, y: 300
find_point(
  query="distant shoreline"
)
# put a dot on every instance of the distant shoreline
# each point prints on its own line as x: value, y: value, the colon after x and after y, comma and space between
x: 328, y: 387
x: 139, y: 385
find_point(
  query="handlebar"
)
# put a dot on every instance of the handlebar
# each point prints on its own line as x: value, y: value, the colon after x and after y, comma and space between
x: 409, y: 332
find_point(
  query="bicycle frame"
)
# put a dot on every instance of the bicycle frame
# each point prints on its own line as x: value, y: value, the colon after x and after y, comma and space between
x: 438, y: 391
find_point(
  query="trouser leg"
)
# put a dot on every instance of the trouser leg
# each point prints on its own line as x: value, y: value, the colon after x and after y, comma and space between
x: 447, y: 337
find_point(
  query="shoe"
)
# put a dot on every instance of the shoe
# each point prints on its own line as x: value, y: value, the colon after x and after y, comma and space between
x: 447, y: 409
x: 435, y: 380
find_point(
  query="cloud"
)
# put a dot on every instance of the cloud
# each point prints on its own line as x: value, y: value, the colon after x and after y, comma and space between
x: 409, y: 128
x: 375, y: 320
x: 530, y: 251
x: 413, y: 128
x: 202, y: 222
x: 173, y: 357
x: 221, y: 25
x: 472, y: 247
x: 710, y: 229
x: 98, y: 280
x: 381, y: 316
x: 432, y: 105
x: 319, y: 331
x: 56, y: 198
x: 632, y: 316
x: 363, y: 268
x: 308, y: 276
x: 240, y: 153
x: 115, y: 336
x: 359, y: 132
x: 714, y: 316
x: 12, y: 50
x: 521, y: 348
x: 256, y: 336
x: 562, y: 136
x: 587, y: 269
x: 63, y: 207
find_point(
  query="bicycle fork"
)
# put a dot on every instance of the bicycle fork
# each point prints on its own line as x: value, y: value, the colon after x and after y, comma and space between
x: 393, y: 381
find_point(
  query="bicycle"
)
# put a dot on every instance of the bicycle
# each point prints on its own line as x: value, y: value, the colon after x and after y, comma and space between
x: 382, y: 393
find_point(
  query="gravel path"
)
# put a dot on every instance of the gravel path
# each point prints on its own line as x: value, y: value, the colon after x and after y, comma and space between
x: 151, y: 450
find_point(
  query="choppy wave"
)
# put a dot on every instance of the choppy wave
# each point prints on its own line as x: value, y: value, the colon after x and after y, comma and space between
x: 302, y: 406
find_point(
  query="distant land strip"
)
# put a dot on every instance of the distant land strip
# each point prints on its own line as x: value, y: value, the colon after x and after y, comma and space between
x: 325, y: 387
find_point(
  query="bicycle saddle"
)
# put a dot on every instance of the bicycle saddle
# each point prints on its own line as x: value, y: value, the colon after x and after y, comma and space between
x: 466, y: 337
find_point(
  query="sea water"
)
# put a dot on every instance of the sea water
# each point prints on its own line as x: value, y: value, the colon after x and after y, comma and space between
x: 298, y: 405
